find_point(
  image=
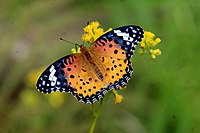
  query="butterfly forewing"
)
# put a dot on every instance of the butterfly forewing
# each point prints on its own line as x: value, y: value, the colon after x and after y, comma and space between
x: 123, y: 38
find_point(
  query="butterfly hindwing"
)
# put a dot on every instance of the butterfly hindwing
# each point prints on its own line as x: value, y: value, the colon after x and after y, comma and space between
x: 89, y: 88
x: 116, y: 71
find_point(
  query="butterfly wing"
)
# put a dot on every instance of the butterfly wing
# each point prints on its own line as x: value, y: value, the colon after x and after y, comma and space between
x: 113, y: 51
x: 119, y: 43
x: 72, y: 74
x: 54, y: 78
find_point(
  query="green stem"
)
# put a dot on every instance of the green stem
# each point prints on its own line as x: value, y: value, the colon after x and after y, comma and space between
x: 137, y: 59
x: 95, y: 115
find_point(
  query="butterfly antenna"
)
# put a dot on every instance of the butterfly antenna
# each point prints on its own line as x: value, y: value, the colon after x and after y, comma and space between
x: 69, y: 42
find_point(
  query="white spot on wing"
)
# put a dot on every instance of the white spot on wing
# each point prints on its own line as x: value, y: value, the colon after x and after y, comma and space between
x: 128, y: 38
x: 43, y: 82
x: 134, y: 31
x: 52, y: 74
x: 117, y: 31
x: 52, y: 68
x: 53, y: 81
x: 122, y: 34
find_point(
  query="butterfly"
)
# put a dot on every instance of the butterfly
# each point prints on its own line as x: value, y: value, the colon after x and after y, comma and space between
x: 104, y: 66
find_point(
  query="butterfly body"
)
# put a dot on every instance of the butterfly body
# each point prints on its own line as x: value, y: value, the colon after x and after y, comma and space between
x: 104, y: 66
x: 90, y: 59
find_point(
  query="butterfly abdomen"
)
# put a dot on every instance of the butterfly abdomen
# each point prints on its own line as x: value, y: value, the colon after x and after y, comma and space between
x: 97, y: 71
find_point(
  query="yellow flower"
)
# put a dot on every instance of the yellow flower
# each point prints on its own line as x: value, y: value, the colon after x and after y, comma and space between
x: 56, y: 99
x: 142, y: 44
x: 74, y: 51
x: 154, y: 53
x: 118, y: 98
x: 157, y: 40
x: 148, y: 43
x: 93, y: 32
x: 29, y: 99
x: 87, y: 37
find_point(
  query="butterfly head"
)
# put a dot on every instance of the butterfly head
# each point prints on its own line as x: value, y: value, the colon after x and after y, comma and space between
x: 82, y: 48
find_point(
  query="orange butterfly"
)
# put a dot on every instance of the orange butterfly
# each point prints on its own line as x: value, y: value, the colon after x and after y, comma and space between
x: 104, y: 66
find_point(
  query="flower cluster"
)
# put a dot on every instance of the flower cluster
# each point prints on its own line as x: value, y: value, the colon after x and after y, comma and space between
x: 148, y: 43
x: 92, y: 32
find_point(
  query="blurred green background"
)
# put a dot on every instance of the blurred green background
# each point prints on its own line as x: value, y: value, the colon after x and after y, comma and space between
x: 162, y: 97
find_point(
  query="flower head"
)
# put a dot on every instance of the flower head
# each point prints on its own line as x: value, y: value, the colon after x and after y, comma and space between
x: 118, y: 98
x: 148, y: 43
x: 154, y: 53
x: 92, y: 32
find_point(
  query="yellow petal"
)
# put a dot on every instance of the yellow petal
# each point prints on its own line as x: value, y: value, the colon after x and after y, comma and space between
x: 142, y: 44
x: 93, y: 32
x: 149, y: 34
x: 157, y: 52
x: 153, y: 56
x: 73, y: 50
x: 118, y: 99
x: 151, y: 51
x: 156, y: 41
x: 95, y: 24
